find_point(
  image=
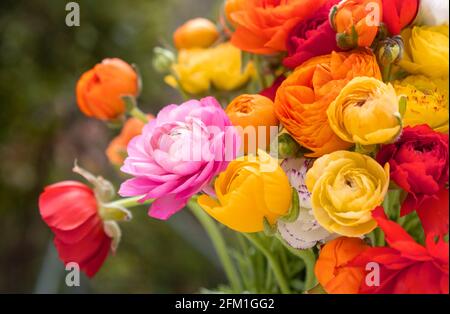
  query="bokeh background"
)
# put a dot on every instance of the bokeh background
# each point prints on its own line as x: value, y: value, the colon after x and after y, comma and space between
x: 42, y: 132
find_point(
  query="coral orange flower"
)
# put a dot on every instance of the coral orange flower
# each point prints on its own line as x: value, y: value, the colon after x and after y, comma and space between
x: 100, y: 90
x: 117, y: 148
x: 195, y: 33
x: 331, y: 269
x: 303, y: 98
x: 251, y: 112
x: 262, y: 26
x: 356, y: 22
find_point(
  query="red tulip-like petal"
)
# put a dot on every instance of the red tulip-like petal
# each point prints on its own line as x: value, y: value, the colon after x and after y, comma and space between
x: 76, y: 235
x: 67, y: 205
x: 70, y: 210
x: 91, y: 248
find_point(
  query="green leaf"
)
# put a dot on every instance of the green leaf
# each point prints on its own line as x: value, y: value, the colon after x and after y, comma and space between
x: 269, y: 230
x: 294, y: 210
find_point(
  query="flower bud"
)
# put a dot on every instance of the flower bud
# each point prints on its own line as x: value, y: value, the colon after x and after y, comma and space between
x: 390, y: 50
x: 100, y: 90
x: 196, y: 33
x: 356, y: 22
x: 287, y: 146
x: 162, y: 60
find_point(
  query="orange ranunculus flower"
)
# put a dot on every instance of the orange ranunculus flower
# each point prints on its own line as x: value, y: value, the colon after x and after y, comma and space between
x: 117, y: 148
x: 331, y: 270
x: 232, y: 6
x: 262, y: 26
x: 303, y: 98
x: 195, y: 33
x: 100, y: 90
x: 356, y: 22
x: 252, y: 112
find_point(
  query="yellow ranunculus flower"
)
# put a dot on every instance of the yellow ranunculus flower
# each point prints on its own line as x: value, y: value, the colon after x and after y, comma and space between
x: 346, y: 187
x: 427, y: 101
x: 365, y: 112
x: 197, y: 70
x: 250, y: 189
x: 426, y: 50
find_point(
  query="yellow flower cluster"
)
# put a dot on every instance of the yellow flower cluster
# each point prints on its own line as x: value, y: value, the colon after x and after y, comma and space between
x: 346, y: 187
x: 366, y: 112
x: 251, y: 189
x: 426, y: 51
x: 427, y: 101
x: 198, y: 70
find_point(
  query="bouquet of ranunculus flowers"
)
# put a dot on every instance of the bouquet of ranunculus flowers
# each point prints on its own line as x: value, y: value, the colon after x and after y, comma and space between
x: 316, y: 130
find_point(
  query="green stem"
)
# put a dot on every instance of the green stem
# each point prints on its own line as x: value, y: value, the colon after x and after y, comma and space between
x: 219, y: 244
x: 268, y: 283
x: 309, y: 259
x: 133, y: 108
x: 130, y: 202
x: 282, y: 282
x: 259, y: 70
x: 138, y: 114
x: 386, y: 73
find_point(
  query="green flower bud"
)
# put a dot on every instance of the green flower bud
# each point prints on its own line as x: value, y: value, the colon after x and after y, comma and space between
x: 390, y: 50
x: 287, y: 146
x: 162, y: 60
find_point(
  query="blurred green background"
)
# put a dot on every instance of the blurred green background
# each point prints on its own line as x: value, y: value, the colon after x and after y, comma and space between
x: 42, y: 132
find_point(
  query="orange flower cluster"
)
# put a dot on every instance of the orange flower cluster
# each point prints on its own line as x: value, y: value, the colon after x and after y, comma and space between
x: 303, y: 99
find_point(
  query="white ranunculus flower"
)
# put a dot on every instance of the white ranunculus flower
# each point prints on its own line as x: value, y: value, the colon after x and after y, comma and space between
x: 305, y: 232
x: 432, y: 13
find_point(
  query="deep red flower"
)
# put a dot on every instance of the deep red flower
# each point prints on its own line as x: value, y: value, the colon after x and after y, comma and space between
x: 271, y: 91
x: 406, y: 266
x: 311, y: 37
x: 398, y: 14
x: 419, y: 165
x: 433, y: 213
x: 70, y: 209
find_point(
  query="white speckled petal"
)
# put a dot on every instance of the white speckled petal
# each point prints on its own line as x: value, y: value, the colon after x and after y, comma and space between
x: 305, y: 232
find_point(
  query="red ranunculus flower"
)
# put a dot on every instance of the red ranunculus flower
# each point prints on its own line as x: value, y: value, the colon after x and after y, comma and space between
x: 311, y: 37
x: 405, y: 266
x: 419, y: 165
x: 398, y: 14
x: 271, y: 91
x: 70, y: 209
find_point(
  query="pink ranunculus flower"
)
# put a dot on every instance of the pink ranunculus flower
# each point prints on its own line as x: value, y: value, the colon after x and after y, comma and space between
x: 178, y: 154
